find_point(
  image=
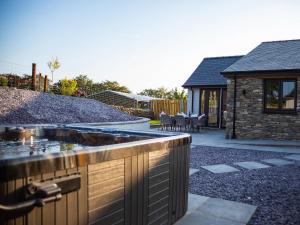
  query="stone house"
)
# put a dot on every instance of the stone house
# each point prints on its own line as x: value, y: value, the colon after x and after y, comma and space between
x: 263, y: 92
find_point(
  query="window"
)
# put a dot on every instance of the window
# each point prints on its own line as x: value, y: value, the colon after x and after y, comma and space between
x: 280, y: 96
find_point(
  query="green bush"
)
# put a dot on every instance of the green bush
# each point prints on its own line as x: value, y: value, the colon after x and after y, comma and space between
x: 154, y: 122
x: 3, y: 81
x: 68, y: 86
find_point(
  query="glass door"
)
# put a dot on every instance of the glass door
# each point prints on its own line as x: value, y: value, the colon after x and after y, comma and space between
x: 210, y: 106
x: 213, y: 105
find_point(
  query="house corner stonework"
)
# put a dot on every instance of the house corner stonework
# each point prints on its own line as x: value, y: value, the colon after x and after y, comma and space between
x: 251, y: 121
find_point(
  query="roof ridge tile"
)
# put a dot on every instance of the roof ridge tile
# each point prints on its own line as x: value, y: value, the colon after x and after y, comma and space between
x: 281, y: 41
x: 220, y: 57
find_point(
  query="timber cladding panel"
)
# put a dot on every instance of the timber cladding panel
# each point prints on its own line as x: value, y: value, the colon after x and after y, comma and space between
x: 149, y: 188
x: 139, y: 189
x: 159, y: 188
x: 69, y: 210
x: 106, y: 192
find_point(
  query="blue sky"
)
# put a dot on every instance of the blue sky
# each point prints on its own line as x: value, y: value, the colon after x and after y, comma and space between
x: 141, y: 44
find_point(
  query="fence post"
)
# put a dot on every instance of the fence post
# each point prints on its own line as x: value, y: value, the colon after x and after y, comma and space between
x: 33, y: 87
x: 40, y: 81
x: 46, y: 83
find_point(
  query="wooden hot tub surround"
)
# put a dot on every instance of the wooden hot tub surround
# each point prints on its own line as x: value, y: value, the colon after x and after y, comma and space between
x: 144, y: 181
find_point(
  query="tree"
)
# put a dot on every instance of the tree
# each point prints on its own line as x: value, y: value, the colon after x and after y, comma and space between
x: 68, y: 86
x: 109, y: 85
x: 3, y: 81
x: 161, y: 92
x: 84, y: 84
x: 53, y: 65
x: 176, y: 94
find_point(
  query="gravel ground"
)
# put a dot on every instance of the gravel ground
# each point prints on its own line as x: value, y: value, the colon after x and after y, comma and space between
x: 275, y: 190
x: 216, y: 155
x: 24, y: 106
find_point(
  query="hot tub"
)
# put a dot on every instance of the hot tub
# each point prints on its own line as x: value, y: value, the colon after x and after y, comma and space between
x: 83, y: 175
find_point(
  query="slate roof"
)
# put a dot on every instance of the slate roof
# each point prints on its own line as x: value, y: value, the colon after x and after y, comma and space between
x: 208, y: 72
x: 269, y: 56
x: 139, y: 98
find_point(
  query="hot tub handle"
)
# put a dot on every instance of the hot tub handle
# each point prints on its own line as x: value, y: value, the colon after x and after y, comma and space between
x: 44, y: 195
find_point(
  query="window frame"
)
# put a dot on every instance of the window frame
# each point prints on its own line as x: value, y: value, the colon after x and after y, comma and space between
x: 280, y: 110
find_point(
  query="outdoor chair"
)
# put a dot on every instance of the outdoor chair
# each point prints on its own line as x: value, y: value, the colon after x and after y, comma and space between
x: 198, y: 122
x: 166, y: 121
x: 181, y: 121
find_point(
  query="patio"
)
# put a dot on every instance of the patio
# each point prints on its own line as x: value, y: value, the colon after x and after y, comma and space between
x: 216, y: 138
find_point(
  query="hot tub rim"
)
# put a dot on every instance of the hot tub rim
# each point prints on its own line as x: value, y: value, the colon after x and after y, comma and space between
x: 32, y: 165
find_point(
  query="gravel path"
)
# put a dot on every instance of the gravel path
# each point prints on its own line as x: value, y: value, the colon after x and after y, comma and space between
x: 216, y: 155
x: 24, y: 106
x: 275, y: 190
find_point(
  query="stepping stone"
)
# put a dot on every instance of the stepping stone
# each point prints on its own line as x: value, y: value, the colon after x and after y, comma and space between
x: 220, y: 168
x: 250, y: 165
x: 195, y: 201
x: 192, y: 171
x: 278, y: 162
x: 293, y: 157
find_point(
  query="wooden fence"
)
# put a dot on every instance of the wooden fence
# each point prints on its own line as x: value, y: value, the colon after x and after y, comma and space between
x: 171, y: 107
x: 35, y: 82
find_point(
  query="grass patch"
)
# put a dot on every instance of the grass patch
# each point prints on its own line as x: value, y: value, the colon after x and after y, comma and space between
x: 154, y: 122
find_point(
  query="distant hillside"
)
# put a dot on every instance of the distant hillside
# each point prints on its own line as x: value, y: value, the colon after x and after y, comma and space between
x: 24, y: 107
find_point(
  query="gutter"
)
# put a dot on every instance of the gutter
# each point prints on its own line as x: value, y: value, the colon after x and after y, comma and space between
x: 296, y: 72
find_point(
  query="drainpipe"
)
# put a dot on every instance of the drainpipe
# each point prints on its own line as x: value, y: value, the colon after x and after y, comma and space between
x: 220, y: 107
x: 233, y: 136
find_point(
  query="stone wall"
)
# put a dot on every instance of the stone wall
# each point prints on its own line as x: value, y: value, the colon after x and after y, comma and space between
x: 251, y: 121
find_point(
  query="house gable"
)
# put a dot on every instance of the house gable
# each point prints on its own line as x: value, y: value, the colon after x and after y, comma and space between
x: 208, y: 72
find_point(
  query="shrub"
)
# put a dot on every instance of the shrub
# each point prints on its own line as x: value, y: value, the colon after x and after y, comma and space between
x: 68, y: 86
x: 3, y: 81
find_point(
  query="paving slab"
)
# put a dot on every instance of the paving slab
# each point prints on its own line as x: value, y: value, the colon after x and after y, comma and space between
x: 220, y: 168
x: 199, y: 218
x: 293, y: 157
x: 216, y: 138
x: 236, y: 211
x: 250, y: 165
x: 278, y: 162
x: 192, y: 171
x: 195, y: 201
x: 216, y: 211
